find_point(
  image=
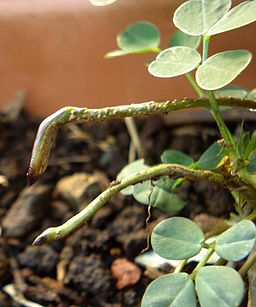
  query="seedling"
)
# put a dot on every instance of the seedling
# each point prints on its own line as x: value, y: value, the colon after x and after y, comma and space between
x: 230, y: 162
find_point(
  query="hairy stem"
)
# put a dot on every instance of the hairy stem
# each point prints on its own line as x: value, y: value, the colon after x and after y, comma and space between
x: 49, y: 127
x: 77, y: 221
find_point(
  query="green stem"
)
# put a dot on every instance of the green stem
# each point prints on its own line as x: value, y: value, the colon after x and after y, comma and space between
x: 77, y: 221
x: 251, y: 216
x: 202, y: 263
x: 180, y: 266
x: 192, y: 81
x: 251, y: 260
x: 225, y: 133
x: 206, y: 41
x: 48, y: 129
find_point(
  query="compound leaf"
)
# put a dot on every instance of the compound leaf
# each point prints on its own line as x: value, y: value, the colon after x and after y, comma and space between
x: 239, y: 16
x: 219, y: 286
x: 170, y: 290
x: 177, y: 238
x: 180, y: 38
x: 196, y: 17
x: 174, y: 61
x: 222, y: 68
x: 236, y: 243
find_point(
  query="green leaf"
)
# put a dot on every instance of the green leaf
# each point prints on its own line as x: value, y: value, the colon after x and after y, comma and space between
x: 174, y: 62
x: 170, y: 290
x: 219, y: 286
x: 139, y: 36
x: 180, y: 38
x: 251, y: 167
x: 248, y: 151
x: 222, y: 68
x: 102, y: 2
x: 173, y: 156
x: 239, y: 16
x: 252, y: 94
x: 236, y: 243
x: 177, y: 238
x: 211, y: 157
x: 164, y: 183
x: 159, y: 195
x: 196, y: 17
x: 129, y: 170
x: 244, y: 143
x: 231, y: 91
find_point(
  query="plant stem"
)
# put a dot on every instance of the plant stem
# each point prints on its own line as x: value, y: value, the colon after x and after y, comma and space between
x: 251, y: 216
x: 206, y: 41
x: 202, y: 263
x: 225, y: 133
x: 48, y: 129
x: 251, y: 260
x: 192, y: 81
x: 132, y: 152
x: 77, y: 221
x: 133, y: 132
x: 180, y: 266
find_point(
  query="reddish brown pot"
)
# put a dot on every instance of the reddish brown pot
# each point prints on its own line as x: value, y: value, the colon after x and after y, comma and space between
x: 54, y: 50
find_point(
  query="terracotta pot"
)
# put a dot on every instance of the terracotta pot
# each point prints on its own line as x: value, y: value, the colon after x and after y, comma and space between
x: 53, y: 49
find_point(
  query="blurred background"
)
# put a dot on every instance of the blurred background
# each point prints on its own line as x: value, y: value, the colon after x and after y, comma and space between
x: 54, y: 51
x: 52, y: 55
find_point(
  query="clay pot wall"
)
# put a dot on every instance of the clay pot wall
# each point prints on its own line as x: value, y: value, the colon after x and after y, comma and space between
x: 53, y: 49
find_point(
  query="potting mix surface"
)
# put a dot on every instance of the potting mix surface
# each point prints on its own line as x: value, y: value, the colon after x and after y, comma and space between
x: 95, y: 266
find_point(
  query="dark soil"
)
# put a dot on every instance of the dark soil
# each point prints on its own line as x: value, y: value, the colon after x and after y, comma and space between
x: 79, y: 271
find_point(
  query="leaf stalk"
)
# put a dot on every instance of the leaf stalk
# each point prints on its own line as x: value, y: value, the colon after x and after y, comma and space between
x: 202, y: 263
x: 224, y: 131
